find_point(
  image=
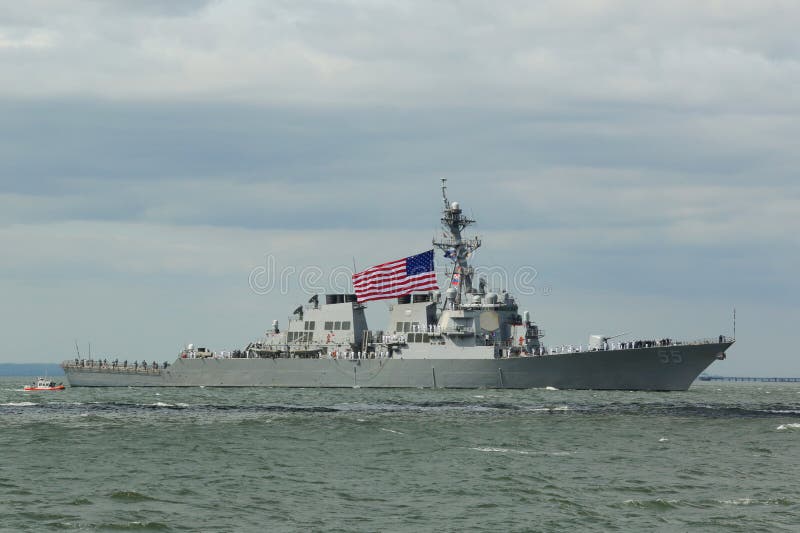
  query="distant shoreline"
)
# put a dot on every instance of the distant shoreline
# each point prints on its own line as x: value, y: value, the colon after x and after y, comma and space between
x: 30, y: 369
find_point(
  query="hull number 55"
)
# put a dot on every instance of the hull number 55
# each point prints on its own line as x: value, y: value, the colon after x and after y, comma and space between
x: 670, y: 356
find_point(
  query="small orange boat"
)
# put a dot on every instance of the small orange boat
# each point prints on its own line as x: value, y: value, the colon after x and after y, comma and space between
x: 44, y: 384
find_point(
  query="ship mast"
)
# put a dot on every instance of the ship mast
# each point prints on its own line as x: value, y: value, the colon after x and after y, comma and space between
x: 455, y: 246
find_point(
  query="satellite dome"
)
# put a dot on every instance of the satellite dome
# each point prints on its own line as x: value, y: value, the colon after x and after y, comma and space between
x: 455, y: 206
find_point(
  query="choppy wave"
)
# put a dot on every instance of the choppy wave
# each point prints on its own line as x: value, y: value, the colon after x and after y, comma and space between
x: 476, y: 407
x: 134, y: 526
x: 756, y: 501
x: 657, y: 504
x: 130, y: 496
x: 497, y: 449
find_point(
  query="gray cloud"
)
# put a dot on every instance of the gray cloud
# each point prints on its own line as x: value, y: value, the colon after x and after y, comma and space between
x: 545, y: 55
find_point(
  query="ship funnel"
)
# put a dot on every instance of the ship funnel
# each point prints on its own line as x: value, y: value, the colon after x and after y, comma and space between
x: 275, y: 327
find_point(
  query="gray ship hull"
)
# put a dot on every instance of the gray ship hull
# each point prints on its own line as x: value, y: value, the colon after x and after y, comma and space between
x: 657, y: 368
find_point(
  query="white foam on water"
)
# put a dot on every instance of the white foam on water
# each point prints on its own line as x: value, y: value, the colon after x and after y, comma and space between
x: 479, y: 396
x: 490, y: 449
x: 550, y: 388
x: 360, y: 420
x: 179, y: 404
x: 494, y: 449
x: 784, y: 427
x: 663, y: 439
x: 739, y: 501
x: 643, y: 502
x: 18, y: 404
x: 392, y: 431
x: 551, y: 409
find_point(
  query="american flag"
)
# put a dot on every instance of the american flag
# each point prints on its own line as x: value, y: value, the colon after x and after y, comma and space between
x: 396, y: 278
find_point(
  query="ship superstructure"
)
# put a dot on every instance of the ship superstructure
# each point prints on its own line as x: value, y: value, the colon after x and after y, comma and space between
x: 462, y: 322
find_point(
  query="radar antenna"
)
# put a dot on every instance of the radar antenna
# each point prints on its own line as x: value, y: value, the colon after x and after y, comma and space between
x: 455, y: 246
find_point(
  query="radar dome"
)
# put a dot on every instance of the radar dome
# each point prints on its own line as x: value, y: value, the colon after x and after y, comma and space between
x: 455, y: 206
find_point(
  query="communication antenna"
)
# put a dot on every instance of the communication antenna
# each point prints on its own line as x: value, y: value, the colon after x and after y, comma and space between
x: 355, y: 271
x: 734, y: 323
x: 77, y: 349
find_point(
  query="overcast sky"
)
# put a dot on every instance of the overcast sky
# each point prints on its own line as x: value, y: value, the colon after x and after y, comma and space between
x: 153, y: 155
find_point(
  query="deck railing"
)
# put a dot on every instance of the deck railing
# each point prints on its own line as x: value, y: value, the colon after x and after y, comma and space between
x: 95, y: 366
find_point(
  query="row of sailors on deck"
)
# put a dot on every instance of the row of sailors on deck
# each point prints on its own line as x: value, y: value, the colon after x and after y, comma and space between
x: 115, y: 364
x: 632, y: 345
x: 644, y: 344
x: 192, y: 354
x: 349, y: 354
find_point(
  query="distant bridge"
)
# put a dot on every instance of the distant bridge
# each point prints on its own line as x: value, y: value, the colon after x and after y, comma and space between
x: 732, y: 378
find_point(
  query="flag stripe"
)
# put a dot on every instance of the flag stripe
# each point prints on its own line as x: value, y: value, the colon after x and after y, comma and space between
x: 366, y: 276
x: 382, y: 265
x: 409, y: 285
x: 380, y: 295
x: 381, y: 281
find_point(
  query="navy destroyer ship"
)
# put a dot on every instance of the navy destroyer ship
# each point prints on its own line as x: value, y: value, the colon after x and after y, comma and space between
x: 465, y: 336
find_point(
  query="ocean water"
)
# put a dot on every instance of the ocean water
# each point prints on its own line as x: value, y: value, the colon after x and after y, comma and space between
x: 719, y: 457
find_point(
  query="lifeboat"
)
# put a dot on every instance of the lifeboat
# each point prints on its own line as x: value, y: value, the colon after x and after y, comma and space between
x: 44, y: 384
